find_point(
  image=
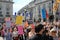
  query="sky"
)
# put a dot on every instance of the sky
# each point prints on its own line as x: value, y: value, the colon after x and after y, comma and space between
x: 18, y: 4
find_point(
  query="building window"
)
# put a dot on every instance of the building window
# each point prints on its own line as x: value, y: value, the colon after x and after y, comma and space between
x: 7, y: 9
x: 1, y: 15
x: 0, y: 8
x: 0, y: 12
x: 34, y: 0
x: 7, y: 13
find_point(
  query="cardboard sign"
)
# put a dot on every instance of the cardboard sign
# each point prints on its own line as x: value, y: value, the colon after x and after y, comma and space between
x: 19, y: 20
x: 8, y: 24
x: 7, y: 19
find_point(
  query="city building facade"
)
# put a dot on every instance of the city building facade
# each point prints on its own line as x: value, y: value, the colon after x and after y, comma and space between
x: 6, y: 9
x: 36, y: 8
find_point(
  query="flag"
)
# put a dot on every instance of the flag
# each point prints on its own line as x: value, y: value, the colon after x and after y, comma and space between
x: 47, y: 16
x: 15, y: 13
x: 43, y: 13
x: 55, y: 6
x: 22, y: 14
x: 58, y: 1
x: 31, y: 15
x: 27, y: 14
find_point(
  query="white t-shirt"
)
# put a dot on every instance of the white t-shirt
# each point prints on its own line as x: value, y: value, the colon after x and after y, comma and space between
x: 1, y: 38
x: 15, y: 33
x: 31, y: 34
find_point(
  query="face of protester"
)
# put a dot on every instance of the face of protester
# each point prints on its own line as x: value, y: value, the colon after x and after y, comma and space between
x: 8, y: 30
x: 47, y: 33
x: 15, y: 29
x: 44, y: 23
x: 53, y: 33
x: 32, y: 30
x: 41, y: 32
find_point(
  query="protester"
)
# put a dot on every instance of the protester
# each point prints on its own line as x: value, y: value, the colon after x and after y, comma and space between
x: 46, y: 35
x: 31, y: 33
x: 8, y: 34
x: 54, y: 33
x: 39, y: 32
x: 2, y: 32
x: 1, y: 38
x: 20, y: 32
x: 15, y: 34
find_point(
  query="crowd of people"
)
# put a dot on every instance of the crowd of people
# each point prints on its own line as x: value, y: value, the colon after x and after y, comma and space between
x: 37, y: 31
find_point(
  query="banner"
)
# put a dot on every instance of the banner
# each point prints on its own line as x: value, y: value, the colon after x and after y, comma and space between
x: 15, y: 13
x: 43, y: 13
x: 55, y: 6
x: 19, y: 20
x: 58, y: 1
x: 27, y: 14
x: 47, y: 16
x: 31, y: 14
x: 23, y: 14
x: 8, y: 24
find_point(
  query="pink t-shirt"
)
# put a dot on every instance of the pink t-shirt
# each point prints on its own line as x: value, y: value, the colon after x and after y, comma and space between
x: 20, y: 30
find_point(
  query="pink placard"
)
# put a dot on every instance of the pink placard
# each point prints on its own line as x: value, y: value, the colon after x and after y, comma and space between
x: 7, y: 19
x: 20, y: 30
